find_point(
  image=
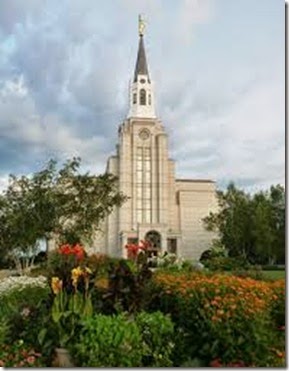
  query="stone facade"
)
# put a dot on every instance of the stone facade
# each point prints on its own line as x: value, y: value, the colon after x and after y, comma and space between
x: 160, y: 208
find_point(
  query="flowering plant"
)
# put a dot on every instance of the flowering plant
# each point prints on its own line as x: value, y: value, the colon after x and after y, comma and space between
x: 76, y: 251
x: 134, y: 250
x: 216, y: 312
x: 18, y: 355
x: 129, y: 279
x: 15, y: 284
x: 67, y: 308
x: 63, y: 260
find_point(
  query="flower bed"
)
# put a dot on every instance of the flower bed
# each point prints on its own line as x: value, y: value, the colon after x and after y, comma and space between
x: 213, y: 319
x: 10, y: 284
x: 224, y: 318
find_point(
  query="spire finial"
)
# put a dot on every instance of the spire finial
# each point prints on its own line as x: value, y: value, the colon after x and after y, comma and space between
x: 141, y: 25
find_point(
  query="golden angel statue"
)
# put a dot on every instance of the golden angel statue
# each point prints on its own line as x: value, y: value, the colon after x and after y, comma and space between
x: 141, y: 25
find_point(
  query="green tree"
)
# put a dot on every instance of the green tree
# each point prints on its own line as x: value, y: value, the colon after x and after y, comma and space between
x: 262, y: 229
x: 278, y: 204
x: 232, y: 221
x: 54, y: 203
x: 252, y: 226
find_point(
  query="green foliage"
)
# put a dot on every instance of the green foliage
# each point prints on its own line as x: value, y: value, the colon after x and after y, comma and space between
x: 252, y: 226
x: 108, y: 341
x: 254, y: 272
x: 19, y: 354
x: 62, y: 203
x: 278, y: 307
x: 157, y: 332
x: 4, y: 330
x: 99, y: 264
x: 223, y: 263
x: 273, y: 268
x: 216, y: 319
x: 129, y: 285
x: 60, y: 265
x: 24, y: 312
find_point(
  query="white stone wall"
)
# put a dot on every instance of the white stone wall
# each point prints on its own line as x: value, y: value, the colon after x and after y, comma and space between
x: 195, y: 200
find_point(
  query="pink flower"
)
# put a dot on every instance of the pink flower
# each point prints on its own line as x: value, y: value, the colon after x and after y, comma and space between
x: 30, y: 359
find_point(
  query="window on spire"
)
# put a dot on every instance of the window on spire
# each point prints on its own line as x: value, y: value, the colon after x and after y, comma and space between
x: 142, y: 97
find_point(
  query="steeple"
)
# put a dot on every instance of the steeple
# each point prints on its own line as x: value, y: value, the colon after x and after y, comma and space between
x: 141, y: 67
x: 141, y: 89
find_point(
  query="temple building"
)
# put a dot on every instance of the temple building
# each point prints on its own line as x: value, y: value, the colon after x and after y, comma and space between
x: 160, y: 208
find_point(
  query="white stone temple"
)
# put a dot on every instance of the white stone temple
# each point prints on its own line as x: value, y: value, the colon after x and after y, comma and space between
x: 160, y: 208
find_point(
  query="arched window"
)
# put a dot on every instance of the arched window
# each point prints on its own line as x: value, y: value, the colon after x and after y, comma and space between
x: 142, y: 97
x: 134, y: 98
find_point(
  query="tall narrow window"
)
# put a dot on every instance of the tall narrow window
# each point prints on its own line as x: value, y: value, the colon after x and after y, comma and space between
x: 150, y: 99
x: 143, y: 185
x: 134, y: 98
x: 142, y: 97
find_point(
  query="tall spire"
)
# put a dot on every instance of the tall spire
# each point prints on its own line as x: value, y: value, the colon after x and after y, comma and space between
x: 141, y: 67
x: 141, y: 98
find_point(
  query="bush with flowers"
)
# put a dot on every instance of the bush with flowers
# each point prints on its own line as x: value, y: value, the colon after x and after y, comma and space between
x: 69, y: 308
x: 18, y: 355
x: 129, y: 280
x: 221, y: 317
x: 24, y: 305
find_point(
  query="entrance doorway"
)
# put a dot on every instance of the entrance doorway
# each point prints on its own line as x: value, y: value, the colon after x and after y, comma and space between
x: 155, y: 240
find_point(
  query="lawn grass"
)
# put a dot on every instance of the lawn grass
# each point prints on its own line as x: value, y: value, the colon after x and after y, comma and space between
x: 275, y: 275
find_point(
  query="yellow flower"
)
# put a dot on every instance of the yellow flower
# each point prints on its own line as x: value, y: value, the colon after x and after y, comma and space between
x: 75, y: 274
x: 56, y: 285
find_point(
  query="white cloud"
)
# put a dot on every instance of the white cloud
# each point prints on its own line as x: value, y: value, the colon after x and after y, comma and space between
x: 3, y: 183
x: 192, y: 13
x: 63, y: 90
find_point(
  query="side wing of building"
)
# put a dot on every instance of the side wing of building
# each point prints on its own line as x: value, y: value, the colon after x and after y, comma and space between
x: 195, y: 199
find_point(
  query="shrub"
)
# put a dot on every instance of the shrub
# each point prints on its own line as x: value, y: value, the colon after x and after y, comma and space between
x: 226, y: 263
x: 24, y: 311
x: 19, y: 355
x: 25, y: 308
x: 273, y: 267
x: 218, y: 317
x: 98, y: 263
x: 108, y: 341
x: 128, y: 286
x: 3, y: 331
x: 157, y: 332
x: 17, y: 284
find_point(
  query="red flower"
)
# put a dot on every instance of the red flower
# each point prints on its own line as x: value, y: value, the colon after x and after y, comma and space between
x: 76, y: 250
x: 132, y: 250
x: 65, y: 249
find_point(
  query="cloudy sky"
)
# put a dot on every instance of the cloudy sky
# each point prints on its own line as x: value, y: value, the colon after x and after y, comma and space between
x: 218, y: 68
